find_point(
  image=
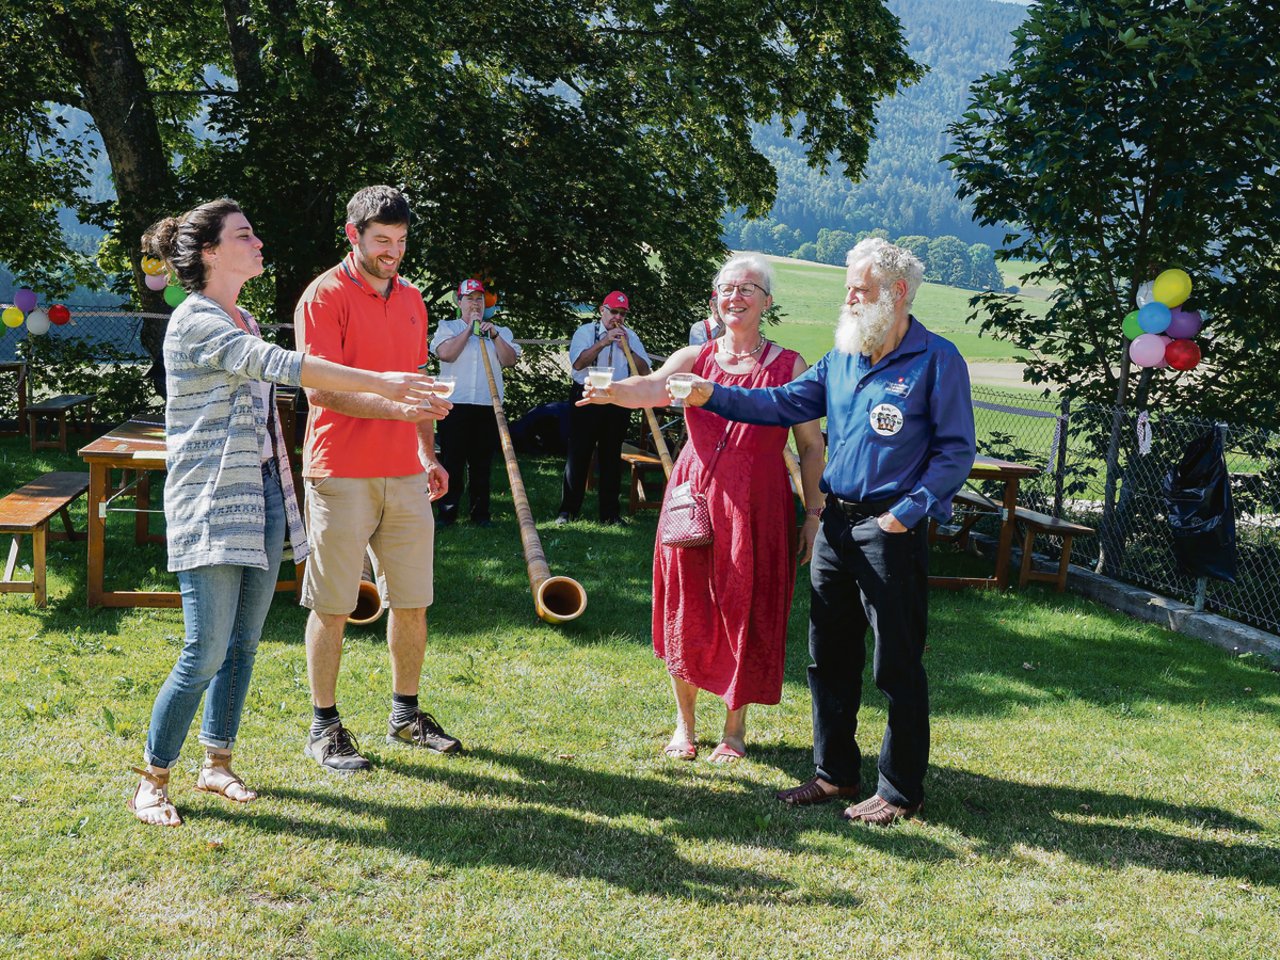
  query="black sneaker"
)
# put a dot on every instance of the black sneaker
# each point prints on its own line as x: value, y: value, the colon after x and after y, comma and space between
x: 337, y: 749
x: 423, y: 731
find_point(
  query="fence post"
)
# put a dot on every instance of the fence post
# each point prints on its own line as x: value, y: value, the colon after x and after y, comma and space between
x: 1063, y: 426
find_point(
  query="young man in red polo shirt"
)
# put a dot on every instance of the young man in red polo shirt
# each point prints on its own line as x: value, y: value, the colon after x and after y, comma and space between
x: 371, y: 474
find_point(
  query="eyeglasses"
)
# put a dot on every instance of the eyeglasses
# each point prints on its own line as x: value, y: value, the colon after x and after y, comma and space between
x: 616, y: 313
x: 746, y: 289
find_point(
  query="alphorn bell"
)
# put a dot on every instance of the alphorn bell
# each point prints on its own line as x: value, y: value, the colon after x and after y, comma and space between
x: 368, y: 599
x: 659, y: 443
x: 556, y: 599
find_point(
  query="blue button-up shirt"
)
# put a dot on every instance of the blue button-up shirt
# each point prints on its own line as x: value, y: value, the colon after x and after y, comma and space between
x: 900, y: 430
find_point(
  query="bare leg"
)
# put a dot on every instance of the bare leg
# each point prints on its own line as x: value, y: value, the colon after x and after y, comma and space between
x: 407, y: 641
x: 734, y: 736
x: 683, y: 744
x: 324, y: 656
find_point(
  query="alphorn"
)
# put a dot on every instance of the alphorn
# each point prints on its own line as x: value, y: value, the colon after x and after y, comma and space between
x: 793, y: 468
x: 556, y: 599
x: 659, y: 443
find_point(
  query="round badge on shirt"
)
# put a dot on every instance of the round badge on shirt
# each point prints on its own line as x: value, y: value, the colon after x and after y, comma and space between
x: 886, y: 419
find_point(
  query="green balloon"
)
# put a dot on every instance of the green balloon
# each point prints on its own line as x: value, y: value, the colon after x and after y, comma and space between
x: 175, y: 295
x: 1131, y: 329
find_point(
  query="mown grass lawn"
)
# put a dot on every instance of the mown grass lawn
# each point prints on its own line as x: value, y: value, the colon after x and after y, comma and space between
x: 1099, y: 787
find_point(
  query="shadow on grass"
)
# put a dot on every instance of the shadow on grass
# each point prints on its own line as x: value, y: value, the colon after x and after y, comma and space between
x: 1007, y: 818
x: 557, y: 828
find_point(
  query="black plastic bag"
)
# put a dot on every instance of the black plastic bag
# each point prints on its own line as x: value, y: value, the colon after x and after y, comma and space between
x: 1197, y: 495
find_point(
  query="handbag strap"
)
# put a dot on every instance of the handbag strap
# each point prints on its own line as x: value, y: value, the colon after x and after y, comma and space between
x: 756, y: 376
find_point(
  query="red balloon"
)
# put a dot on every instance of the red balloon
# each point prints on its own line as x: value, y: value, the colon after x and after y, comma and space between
x: 58, y: 314
x: 1182, y: 354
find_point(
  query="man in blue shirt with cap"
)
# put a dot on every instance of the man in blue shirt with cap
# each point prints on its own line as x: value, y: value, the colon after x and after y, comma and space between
x: 900, y: 444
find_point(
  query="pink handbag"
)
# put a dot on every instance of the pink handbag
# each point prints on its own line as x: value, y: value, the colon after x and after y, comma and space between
x: 685, y: 520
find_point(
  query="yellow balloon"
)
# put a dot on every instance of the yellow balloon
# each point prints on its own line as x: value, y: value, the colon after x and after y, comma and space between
x: 1172, y: 288
x: 152, y: 266
x: 12, y: 317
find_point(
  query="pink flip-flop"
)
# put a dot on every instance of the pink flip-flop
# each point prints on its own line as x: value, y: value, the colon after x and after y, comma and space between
x: 723, y: 753
x: 683, y: 750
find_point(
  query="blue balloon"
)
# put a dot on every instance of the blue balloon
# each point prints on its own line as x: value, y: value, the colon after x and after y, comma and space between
x: 1155, y: 317
x: 490, y: 311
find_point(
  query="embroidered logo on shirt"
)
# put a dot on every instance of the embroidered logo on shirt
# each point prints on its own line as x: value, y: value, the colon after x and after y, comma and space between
x: 886, y: 419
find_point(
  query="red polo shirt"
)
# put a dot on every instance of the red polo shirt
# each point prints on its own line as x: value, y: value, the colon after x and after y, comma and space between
x: 343, y: 319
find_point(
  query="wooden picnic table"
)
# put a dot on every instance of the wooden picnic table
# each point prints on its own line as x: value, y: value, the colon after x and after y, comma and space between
x: 136, y: 449
x: 56, y: 410
x: 991, y: 468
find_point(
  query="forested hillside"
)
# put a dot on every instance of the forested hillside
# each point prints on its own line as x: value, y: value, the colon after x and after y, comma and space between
x: 905, y: 190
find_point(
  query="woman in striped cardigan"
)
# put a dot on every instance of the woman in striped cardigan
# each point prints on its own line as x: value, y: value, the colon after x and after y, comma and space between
x: 229, y: 499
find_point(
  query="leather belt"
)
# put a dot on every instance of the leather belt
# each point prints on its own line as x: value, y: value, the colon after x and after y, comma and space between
x: 860, y: 509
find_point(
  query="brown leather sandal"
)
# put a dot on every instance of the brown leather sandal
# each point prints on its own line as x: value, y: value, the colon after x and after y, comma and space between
x: 160, y: 803
x: 220, y: 767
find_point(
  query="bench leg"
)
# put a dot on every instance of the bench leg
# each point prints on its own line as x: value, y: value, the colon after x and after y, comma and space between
x: 38, y: 543
x: 637, y: 493
x: 1064, y: 563
x: 1028, y: 545
x: 62, y: 432
x: 13, y: 557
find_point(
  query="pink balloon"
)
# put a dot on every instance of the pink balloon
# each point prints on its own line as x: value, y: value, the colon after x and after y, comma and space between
x: 1147, y: 350
x: 1185, y: 324
x: 157, y: 282
x: 1164, y: 362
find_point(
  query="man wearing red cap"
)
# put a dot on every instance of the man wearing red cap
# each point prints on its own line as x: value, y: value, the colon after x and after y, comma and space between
x: 595, y: 428
x: 470, y: 432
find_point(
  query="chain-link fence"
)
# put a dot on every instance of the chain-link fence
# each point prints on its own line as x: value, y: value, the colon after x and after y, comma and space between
x: 1132, y: 539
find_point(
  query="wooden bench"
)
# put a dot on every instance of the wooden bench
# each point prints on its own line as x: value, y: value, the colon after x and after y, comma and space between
x: 27, y: 511
x: 641, y: 463
x: 56, y: 410
x: 976, y: 506
x: 1036, y: 523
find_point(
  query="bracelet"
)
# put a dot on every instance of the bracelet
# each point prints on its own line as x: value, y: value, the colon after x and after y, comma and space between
x: 813, y: 512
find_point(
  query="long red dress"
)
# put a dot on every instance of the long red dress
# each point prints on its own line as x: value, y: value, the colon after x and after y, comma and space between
x: 720, y: 612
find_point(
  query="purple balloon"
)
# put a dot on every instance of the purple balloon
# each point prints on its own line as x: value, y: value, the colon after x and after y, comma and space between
x: 1185, y: 324
x: 1147, y: 350
x: 1154, y: 317
x: 156, y: 283
x: 25, y: 299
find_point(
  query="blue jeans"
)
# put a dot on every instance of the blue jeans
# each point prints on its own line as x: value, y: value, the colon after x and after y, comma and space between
x: 224, y: 607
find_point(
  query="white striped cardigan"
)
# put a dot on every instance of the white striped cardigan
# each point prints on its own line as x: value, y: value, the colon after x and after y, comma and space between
x: 214, y: 509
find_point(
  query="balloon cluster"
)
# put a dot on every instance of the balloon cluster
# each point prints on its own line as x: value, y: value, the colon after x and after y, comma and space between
x: 38, y: 321
x: 1160, y: 331
x: 153, y: 274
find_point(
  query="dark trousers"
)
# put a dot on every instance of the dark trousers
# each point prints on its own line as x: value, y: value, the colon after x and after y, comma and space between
x: 467, y: 438
x: 862, y: 576
x: 600, y: 429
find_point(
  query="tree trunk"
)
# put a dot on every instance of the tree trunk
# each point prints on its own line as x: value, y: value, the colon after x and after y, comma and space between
x: 116, y: 95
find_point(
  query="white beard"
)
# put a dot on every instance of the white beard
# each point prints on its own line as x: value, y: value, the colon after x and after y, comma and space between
x: 863, y: 328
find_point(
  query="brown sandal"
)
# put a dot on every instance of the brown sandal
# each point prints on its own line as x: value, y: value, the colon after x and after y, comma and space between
x: 159, y: 804
x: 227, y: 779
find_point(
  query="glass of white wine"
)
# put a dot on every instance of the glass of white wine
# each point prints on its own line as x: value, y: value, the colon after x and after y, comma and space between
x: 444, y: 386
x: 680, y: 385
x: 600, y: 377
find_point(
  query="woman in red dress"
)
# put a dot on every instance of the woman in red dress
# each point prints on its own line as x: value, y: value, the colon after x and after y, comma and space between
x: 720, y: 611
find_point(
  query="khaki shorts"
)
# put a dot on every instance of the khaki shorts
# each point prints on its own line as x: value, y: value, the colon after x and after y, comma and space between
x: 389, y: 515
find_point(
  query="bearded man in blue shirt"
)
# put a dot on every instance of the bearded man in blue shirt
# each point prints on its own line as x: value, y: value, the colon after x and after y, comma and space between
x: 900, y: 444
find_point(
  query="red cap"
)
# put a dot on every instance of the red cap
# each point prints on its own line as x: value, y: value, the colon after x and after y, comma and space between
x: 468, y: 287
x: 616, y: 301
